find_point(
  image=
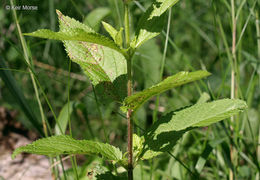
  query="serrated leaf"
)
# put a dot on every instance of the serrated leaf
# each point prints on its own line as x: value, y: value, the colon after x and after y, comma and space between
x: 76, y: 34
x: 151, y: 23
x: 105, y: 67
x: 63, y: 144
x: 164, y: 134
x: 135, y: 101
x: 98, y: 56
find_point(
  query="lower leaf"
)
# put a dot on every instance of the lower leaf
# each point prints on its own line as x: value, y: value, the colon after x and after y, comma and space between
x: 64, y: 144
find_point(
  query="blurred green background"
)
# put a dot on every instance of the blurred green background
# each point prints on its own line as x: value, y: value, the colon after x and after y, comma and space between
x: 198, y: 33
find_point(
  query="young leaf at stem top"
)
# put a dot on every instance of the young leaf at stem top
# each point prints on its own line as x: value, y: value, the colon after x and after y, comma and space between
x: 151, y: 23
x: 135, y: 101
x: 116, y: 35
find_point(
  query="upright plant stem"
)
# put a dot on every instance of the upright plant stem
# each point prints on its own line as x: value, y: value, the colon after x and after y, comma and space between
x: 233, y: 79
x: 129, y: 93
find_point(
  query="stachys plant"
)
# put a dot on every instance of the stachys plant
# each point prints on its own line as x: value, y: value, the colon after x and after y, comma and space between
x: 107, y: 63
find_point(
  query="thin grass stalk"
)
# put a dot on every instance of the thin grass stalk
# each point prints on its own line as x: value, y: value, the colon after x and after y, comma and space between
x: 100, y: 115
x: 73, y: 157
x: 258, y: 53
x: 233, y: 86
x: 26, y: 57
x: 163, y: 63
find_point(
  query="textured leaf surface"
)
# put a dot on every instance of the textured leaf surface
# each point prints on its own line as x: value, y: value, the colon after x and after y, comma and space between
x: 104, y: 66
x: 76, y: 34
x: 135, y: 101
x: 97, y: 55
x: 63, y: 144
x: 164, y: 134
x: 151, y: 23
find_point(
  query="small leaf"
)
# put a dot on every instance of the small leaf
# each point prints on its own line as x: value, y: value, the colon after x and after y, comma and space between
x: 63, y: 144
x: 119, y: 37
x: 164, y: 133
x: 151, y: 23
x: 135, y: 101
x: 110, y: 29
x: 63, y: 118
x: 116, y: 35
x: 137, y: 146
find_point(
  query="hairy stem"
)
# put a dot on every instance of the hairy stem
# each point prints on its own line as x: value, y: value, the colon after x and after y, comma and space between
x: 129, y: 93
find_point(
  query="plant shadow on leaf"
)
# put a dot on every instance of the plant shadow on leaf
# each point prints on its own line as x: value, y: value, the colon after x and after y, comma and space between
x: 147, y: 23
x: 108, y: 91
x: 157, y: 140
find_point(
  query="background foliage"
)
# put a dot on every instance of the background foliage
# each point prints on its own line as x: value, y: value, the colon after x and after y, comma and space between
x: 195, y: 42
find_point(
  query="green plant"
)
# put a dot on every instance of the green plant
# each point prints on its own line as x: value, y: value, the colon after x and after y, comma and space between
x: 108, y: 64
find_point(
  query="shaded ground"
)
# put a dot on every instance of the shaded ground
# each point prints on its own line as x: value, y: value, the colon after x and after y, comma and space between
x: 24, y: 166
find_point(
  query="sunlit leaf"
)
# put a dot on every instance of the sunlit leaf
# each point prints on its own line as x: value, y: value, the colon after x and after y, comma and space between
x: 135, y: 101
x: 63, y: 144
x: 99, y: 57
x: 164, y: 133
x: 151, y: 23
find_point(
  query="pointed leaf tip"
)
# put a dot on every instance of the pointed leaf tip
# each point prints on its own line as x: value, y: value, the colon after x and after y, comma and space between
x: 63, y: 144
x: 135, y: 101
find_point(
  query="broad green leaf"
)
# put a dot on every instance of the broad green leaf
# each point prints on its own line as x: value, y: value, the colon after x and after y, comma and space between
x: 63, y: 118
x: 151, y: 23
x: 76, y: 34
x: 116, y: 35
x: 94, y: 18
x: 164, y: 134
x: 97, y: 55
x: 63, y: 144
x: 135, y: 101
x: 105, y: 67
